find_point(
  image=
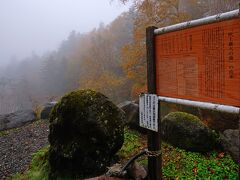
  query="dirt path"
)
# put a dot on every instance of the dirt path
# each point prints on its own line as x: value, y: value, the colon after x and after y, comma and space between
x: 17, y: 146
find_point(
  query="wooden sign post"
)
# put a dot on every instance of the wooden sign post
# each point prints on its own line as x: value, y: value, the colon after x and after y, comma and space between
x: 154, y: 138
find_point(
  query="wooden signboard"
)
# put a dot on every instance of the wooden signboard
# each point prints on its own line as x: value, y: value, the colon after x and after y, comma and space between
x: 200, y: 63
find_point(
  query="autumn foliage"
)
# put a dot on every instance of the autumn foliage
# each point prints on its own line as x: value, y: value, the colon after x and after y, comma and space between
x: 110, y: 59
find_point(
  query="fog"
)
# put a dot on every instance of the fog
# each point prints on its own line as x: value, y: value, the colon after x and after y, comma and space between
x: 45, y: 46
x: 51, y: 47
x: 38, y: 26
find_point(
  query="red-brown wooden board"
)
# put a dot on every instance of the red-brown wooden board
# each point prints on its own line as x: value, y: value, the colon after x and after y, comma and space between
x: 200, y: 63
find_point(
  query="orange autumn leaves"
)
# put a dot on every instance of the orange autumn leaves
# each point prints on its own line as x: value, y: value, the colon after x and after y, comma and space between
x: 148, y: 13
x: 113, y: 57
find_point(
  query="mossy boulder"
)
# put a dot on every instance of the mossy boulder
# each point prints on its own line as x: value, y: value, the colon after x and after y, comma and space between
x: 186, y: 131
x: 86, y: 130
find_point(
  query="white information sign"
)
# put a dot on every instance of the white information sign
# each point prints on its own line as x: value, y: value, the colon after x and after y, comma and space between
x: 148, y: 111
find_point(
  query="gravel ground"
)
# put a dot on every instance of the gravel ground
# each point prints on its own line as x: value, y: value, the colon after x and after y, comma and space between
x: 17, y: 146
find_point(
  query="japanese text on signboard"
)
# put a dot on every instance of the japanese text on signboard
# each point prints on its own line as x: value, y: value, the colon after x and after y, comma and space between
x: 200, y: 63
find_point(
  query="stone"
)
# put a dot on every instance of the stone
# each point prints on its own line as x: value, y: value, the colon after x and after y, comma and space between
x: 86, y: 130
x: 105, y: 178
x: 229, y: 140
x: 16, y: 119
x: 137, y: 171
x: 186, y: 131
x: 115, y: 171
x: 133, y: 171
x: 131, y: 110
x: 219, y: 121
x: 47, y: 109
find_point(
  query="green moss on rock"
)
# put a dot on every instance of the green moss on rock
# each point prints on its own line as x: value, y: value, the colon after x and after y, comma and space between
x: 184, y: 116
x: 86, y: 130
x: 186, y: 131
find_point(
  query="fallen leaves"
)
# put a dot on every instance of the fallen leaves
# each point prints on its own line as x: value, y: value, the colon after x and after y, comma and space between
x: 211, y: 170
x: 195, y: 171
x: 221, y: 155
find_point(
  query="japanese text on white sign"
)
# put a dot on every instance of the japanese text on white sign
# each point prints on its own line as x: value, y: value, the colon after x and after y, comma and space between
x: 148, y: 111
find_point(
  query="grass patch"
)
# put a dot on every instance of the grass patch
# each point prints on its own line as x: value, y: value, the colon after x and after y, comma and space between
x: 177, y: 163
x: 133, y: 142
x: 8, y: 131
x: 181, y: 164
x: 39, y: 167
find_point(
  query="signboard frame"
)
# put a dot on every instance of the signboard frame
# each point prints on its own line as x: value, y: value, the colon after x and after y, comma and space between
x: 200, y: 60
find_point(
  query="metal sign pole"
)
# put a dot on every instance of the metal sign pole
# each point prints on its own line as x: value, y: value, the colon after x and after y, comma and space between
x: 154, y: 139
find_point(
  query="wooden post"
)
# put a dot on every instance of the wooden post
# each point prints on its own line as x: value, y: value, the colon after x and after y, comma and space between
x: 154, y: 141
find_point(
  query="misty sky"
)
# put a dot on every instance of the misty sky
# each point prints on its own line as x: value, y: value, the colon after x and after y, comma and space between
x: 39, y: 26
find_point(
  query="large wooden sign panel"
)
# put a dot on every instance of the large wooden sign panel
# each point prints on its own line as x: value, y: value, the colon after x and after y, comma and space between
x: 200, y: 63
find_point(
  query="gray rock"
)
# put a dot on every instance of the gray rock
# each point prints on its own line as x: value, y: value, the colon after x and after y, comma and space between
x: 230, y: 143
x: 186, y: 131
x: 47, y: 109
x: 86, y: 130
x: 134, y: 171
x: 16, y: 119
x: 115, y: 171
x: 137, y: 171
x: 131, y: 110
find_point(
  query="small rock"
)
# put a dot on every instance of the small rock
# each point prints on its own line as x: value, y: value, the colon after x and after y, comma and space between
x: 137, y: 171
x: 47, y: 109
x: 230, y: 143
x: 104, y: 178
x: 131, y: 110
x: 115, y: 170
x: 16, y: 119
